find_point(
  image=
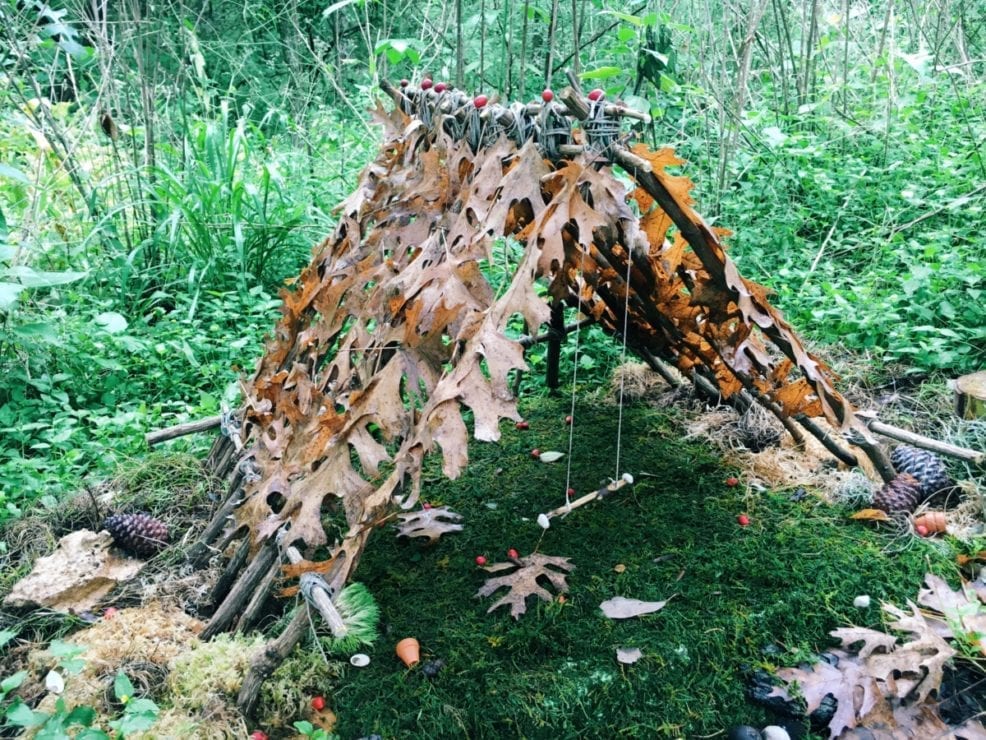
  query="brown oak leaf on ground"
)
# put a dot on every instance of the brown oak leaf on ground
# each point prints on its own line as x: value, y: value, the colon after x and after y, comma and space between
x: 886, y: 688
x: 523, y: 582
x: 431, y: 523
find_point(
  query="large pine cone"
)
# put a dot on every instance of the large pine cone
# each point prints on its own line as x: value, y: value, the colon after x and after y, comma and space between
x: 900, y: 495
x: 139, y: 534
x: 926, y: 466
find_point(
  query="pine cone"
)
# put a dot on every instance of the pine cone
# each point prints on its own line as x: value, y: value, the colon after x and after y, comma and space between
x: 926, y: 466
x: 900, y: 495
x: 139, y: 534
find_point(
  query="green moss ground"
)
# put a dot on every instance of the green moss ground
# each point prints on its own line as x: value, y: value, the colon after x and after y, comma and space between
x: 785, y: 580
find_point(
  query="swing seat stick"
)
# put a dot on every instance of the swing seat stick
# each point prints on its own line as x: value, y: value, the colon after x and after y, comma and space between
x: 583, y: 500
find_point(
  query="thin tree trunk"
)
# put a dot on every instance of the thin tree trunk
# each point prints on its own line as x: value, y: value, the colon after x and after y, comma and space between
x: 575, y: 35
x: 459, y: 50
x: 523, y: 52
x: 550, y: 57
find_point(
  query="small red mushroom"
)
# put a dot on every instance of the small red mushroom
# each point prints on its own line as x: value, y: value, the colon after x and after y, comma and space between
x: 536, y: 454
x: 318, y: 703
x: 569, y: 419
x: 570, y: 492
x: 480, y: 560
x: 546, y: 95
x: 426, y: 83
x: 426, y: 506
x: 597, y: 95
x: 405, y: 83
x: 522, y: 425
x: 921, y: 530
x: 743, y: 520
x: 732, y: 481
x: 441, y: 87
x: 513, y: 554
x: 480, y: 101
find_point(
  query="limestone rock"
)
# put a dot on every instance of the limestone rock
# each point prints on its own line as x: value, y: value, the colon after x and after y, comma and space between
x: 81, y: 571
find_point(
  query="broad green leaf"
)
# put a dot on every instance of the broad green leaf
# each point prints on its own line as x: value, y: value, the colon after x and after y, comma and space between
x: 5, y: 637
x: 601, y: 73
x: 21, y: 715
x: 12, y: 681
x: 626, y: 17
x: 122, y: 687
x: 8, y: 295
x: 31, y: 278
x: 37, y: 330
x: 112, y: 322
x: 13, y: 173
x: 81, y: 715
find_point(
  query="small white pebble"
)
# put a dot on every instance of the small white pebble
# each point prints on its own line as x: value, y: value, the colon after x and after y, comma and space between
x: 773, y: 732
x: 543, y: 521
x: 861, y: 602
x: 628, y: 478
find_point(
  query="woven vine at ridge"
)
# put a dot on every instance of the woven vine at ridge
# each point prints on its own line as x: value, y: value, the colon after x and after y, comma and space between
x: 393, y: 331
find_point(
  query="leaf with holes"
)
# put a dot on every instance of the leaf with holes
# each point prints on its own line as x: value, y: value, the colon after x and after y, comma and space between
x: 431, y: 523
x: 524, y: 581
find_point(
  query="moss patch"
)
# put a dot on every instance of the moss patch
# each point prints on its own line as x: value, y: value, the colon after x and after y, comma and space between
x: 783, y: 582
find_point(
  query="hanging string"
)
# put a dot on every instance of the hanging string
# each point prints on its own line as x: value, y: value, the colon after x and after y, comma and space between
x: 623, y: 364
x: 575, y: 376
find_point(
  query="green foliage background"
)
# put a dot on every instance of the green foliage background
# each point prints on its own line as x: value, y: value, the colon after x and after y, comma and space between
x: 163, y: 170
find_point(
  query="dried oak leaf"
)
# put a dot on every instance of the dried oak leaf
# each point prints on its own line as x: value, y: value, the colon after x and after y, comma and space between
x: 915, y: 668
x: 960, y: 610
x: 849, y: 683
x: 431, y: 523
x: 523, y: 582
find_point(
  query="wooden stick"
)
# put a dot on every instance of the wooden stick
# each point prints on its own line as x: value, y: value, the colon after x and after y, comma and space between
x: 919, y: 440
x: 320, y: 599
x: 268, y: 658
x: 241, y: 591
x: 526, y: 342
x: 181, y: 430
x: 594, y: 496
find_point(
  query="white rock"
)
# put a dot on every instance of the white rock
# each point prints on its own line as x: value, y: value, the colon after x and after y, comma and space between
x: 628, y: 656
x: 773, y: 732
x: 80, y: 572
x: 54, y: 682
x: 543, y: 521
x: 861, y: 602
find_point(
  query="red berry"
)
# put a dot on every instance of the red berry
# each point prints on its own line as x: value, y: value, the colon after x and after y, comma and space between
x: 426, y: 506
x: 523, y: 425
x: 596, y: 95
x: 318, y: 703
x: 569, y: 420
x: 426, y: 83
x: 404, y: 83
x: 536, y: 454
x: 480, y: 100
x: 570, y: 492
x: 258, y: 735
x: 546, y: 95
x: 732, y: 482
x: 921, y: 530
x: 480, y: 560
x: 513, y: 554
x: 743, y: 520
x: 441, y: 87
